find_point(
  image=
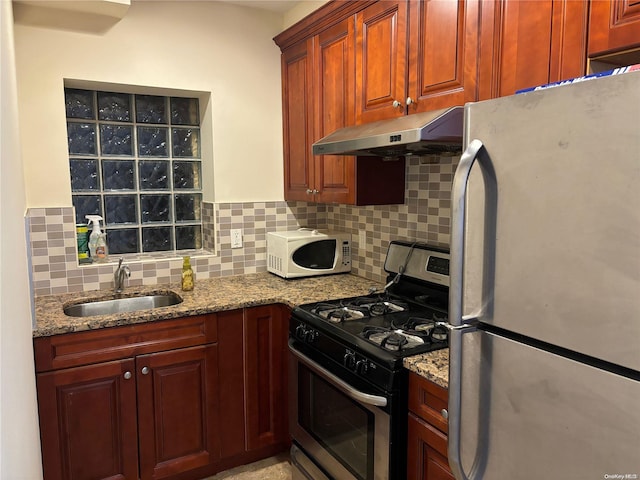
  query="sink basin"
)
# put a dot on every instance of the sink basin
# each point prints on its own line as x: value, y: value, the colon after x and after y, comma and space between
x: 120, y: 305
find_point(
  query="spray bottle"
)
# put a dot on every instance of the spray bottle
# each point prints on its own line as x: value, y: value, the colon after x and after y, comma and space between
x: 97, y: 240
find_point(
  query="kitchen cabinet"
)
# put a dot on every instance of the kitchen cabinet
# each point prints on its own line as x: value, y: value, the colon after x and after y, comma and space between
x: 126, y: 402
x: 318, y: 98
x: 614, y: 26
x: 427, y: 431
x: 253, y: 379
x: 416, y: 56
x: 526, y: 43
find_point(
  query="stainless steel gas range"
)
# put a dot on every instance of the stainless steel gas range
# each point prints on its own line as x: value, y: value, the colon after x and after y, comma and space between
x: 348, y: 387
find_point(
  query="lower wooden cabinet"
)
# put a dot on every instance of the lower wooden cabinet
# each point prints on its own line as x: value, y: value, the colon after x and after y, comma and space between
x: 427, y: 431
x: 140, y: 413
x: 253, y: 379
x: 173, y: 399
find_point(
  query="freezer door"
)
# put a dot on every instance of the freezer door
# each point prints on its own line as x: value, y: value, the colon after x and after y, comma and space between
x: 552, y: 227
x: 529, y: 415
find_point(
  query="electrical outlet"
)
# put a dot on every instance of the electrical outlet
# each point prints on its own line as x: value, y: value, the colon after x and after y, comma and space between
x: 362, y: 238
x: 236, y: 238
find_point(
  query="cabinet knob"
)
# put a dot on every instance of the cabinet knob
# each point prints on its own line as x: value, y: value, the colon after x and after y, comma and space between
x: 444, y: 413
x: 127, y: 375
x: 409, y: 101
x: 145, y: 370
x: 309, y: 191
x: 397, y: 104
x: 315, y: 191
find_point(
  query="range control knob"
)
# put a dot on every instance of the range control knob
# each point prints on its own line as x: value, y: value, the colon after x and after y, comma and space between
x: 310, y: 336
x: 349, y: 360
x: 362, y: 367
x: 301, y: 332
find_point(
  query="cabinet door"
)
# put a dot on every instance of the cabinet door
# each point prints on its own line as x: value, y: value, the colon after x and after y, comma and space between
x: 443, y: 53
x: 88, y: 422
x: 297, y: 113
x: 381, y: 61
x: 533, y: 42
x: 334, y: 108
x: 265, y: 376
x: 426, y: 452
x: 177, y: 410
x: 614, y: 26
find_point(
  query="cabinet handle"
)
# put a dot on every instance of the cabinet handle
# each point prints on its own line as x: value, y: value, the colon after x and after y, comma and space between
x: 309, y: 191
x: 315, y: 191
x: 410, y: 101
x: 145, y: 370
x: 127, y: 375
x: 444, y: 413
x: 397, y: 104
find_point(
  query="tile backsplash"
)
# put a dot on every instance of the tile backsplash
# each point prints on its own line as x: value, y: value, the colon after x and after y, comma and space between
x: 424, y: 217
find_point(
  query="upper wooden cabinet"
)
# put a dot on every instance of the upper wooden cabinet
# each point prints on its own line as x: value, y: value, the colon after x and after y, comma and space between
x: 318, y: 80
x: 381, y: 59
x: 416, y: 56
x: 614, y: 26
x: 533, y: 42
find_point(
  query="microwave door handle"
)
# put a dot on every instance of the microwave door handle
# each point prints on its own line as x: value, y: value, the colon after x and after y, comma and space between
x: 343, y: 386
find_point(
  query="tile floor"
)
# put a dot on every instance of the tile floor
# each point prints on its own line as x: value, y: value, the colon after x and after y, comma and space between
x: 273, y: 468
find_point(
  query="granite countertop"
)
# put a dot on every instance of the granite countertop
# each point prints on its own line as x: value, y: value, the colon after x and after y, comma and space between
x: 433, y: 366
x: 219, y: 294
x: 210, y: 295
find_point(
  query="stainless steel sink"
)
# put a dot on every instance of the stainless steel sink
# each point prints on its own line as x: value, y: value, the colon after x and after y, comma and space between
x: 120, y: 305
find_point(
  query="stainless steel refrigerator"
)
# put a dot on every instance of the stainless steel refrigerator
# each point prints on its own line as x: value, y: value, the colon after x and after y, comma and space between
x: 545, y: 286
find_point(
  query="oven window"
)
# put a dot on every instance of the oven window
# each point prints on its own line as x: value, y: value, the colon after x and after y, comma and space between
x: 317, y: 255
x: 341, y: 425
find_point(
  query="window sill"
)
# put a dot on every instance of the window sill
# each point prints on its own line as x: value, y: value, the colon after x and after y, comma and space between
x: 153, y: 257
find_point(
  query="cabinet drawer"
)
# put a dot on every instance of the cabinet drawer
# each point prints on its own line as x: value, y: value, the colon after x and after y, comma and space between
x: 427, y: 400
x: 82, y: 348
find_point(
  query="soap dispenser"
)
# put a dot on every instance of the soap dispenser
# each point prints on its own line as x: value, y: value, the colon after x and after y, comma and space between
x: 97, y: 240
x: 187, y: 275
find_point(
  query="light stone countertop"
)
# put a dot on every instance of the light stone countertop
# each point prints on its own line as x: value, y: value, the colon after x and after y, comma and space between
x: 220, y: 294
x: 433, y: 366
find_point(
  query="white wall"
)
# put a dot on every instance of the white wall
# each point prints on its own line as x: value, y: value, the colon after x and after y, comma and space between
x: 301, y: 10
x: 19, y: 436
x: 202, y: 46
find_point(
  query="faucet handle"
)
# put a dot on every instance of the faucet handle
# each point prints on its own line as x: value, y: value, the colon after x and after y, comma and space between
x: 120, y: 263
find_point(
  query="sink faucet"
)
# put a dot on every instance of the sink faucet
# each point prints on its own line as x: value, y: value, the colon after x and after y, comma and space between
x: 119, y: 276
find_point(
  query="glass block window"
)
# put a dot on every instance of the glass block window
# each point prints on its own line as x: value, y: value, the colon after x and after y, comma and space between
x: 135, y: 161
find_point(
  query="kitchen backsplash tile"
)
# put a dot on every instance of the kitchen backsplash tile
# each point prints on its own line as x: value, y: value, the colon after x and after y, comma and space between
x: 424, y: 217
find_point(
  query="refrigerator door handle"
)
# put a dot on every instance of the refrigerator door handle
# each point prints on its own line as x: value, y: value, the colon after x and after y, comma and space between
x: 459, y: 325
x: 457, y: 248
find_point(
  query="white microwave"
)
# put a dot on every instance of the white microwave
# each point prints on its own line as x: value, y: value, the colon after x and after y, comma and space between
x: 306, y: 252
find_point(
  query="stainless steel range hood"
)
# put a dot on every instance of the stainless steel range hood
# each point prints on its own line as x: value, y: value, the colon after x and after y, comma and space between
x: 435, y: 132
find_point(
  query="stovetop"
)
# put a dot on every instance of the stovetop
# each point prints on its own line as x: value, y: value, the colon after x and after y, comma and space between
x: 390, y: 325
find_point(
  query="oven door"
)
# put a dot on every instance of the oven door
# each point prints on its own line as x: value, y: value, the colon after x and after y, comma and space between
x: 344, y: 430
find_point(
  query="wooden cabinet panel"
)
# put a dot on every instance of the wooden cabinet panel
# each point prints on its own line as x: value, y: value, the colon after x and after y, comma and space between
x: 381, y: 61
x: 177, y: 410
x: 426, y: 452
x: 94, y: 346
x: 443, y: 53
x: 297, y: 113
x: 88, y: 422
x: 253, y: 376
x: 614, y: 26
x: 533, y: 42
x: 334, y: 175
x: 428, y: 400
x: 266, y: 332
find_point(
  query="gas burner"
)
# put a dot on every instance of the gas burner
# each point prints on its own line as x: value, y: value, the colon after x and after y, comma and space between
x: 393, y: 340
x: 338, y: 313
x: 429, y: 330
x: 380, y: 305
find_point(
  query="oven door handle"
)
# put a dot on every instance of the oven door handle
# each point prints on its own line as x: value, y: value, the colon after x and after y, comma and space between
x: 343, y: 386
